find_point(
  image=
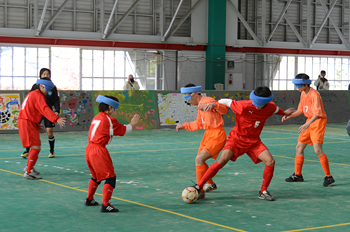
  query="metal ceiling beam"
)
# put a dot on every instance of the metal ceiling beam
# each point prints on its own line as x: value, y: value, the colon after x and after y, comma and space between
x: 52, y: 19
x: 42, y: 17
x: 290, y: 23
x: 110, y: 19
x: 117, y: 24
x: 172, y: 20
x: 245, y: 23
x: 181, y: 21
x: 340, y: 34
x: 279, y: 20
x: 323, y: 22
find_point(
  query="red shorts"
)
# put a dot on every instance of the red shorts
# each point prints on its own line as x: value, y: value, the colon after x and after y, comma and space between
x: 315, y: 132
x: 240, y: 145
x: 99, y: 162
x: 29, y: 133
x: 213, y: 141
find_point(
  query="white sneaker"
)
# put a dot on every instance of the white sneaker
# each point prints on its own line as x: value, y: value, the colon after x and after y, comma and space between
x: 35, y: 171
x: 31, y: 176
x: 209, y: 187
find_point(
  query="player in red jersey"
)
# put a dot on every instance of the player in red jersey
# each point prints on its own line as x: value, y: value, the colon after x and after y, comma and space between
x: 312, y: 132
x: 214, y: 138
x: 103, y: 128
x: 33, y: 108
x: 245, y: 136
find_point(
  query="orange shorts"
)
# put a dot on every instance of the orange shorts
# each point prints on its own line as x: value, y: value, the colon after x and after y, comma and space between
x: 29, y: 133
x: 240, y: 145
x: 99, y: 162
x: 213, y: 141
x: 315, y: 132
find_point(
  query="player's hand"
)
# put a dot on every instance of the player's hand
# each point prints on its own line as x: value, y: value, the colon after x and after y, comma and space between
x: 57, y: 113
x: 61, y: 121
x: 285, y: 118
x: 134, y: 121
x: 179, y: 127
x: 41, y: 129
x: 207, y: 107
x: 303, y: 128
x: 289, y: 111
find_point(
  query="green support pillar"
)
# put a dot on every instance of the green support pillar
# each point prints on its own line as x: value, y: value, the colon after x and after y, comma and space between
x: 216, y: 48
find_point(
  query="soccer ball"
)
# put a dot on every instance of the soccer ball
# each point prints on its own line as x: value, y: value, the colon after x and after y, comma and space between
x: 190, y: 195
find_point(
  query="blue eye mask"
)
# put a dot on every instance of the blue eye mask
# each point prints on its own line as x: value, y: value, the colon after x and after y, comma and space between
x: 260, y: 101
x: 108, y: 101
x: 300, y: 82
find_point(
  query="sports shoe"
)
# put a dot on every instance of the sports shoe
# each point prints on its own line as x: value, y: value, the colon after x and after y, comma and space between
x: 108, y: 209
x: 209, y: 187
x: 266, y: 196
x: 31, y: 176
x: 25, y: 155
x: 35, y: 171
x: 295, y: 178
x: 201, y: 195
x: 90, y: 202
x: 52, y: 154
x: 328, y: 180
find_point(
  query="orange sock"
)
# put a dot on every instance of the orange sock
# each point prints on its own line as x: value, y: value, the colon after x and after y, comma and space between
x: 299, y: 162
x: 325, y: 165
x: 200, y: 171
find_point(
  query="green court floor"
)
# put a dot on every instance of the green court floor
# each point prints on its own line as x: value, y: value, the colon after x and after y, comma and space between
x: 154, y: 166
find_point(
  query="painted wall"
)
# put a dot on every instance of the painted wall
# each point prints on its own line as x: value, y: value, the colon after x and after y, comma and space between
x: 161, y: 108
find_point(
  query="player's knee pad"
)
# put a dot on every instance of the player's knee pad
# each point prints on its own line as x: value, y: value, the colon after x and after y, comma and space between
x: 95, y: 180
x: 111, y: 181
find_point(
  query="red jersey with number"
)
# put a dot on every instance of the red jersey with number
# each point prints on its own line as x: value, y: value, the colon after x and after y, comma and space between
x: 103, y: 128
x: 34, y: 107
x: 311, y: 104
x: 249, y: 120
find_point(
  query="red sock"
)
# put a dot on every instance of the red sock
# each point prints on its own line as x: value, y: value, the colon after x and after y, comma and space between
x: 92, y: 189
x: 210, y: 173
x: 32, y: 158
x: 299, y: 162
x: 325, y: 164
x: 267, y: 177
x: 107, y: 192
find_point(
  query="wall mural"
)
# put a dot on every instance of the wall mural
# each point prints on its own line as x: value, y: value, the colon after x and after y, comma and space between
x: 131, y: 102
x: 77, y: 108
x: 9, y: 110
x: 173, y: 109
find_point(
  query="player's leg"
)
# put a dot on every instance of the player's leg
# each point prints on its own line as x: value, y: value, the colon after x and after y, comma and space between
x: 318, y: 129
x: 93, y: 185
x: 49, y: 131
x: 303, y: 141
x: 202, y: 167
x: 107, y: 192
x: 33, y: 156
x: 269, y: 161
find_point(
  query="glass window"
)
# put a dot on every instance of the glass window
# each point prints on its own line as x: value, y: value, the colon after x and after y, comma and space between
x: 97, y: 63
x: 98, y: 84
x: 108, y: 84
x: 120, y: 64
x: 119, y: 84
x: 6, y: 83
x: 31, y: 62
x: 18, y: 83
x: 108, y: 64
x: 44, y: 58
x: 86, y: 84
x: 6, y: 61
x: 86, y: 63
x: 30, y: 81
x: 18, y: 57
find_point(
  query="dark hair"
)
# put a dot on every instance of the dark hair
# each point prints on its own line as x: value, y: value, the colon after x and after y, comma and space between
x: 323, y: 72
x: 103, y: 106
x: 303, y: 76
x: 191, y: 85
x: 42, y: 71
x: 262, y: 91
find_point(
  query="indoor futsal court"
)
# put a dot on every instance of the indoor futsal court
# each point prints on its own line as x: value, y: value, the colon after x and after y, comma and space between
x: 154, y: 166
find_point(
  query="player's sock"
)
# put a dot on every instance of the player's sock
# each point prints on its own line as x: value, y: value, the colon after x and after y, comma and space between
x: 52, y: 143
x: 325, y: 165
x: 200, y: 171
x: 92, y: 189
x: 299, y: 162
x: 32, y: 158
x: 107, y: 192
x: 267, y: 177
x: 210, y: 173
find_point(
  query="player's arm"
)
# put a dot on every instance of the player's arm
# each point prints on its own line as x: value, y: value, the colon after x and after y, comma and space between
x: 121, y: 130
x: 296, y: 113
x: 192, y: 126
x: 221, y: 108
x: 46, y: 111
x: 56, y: 99
x: 304, y: 127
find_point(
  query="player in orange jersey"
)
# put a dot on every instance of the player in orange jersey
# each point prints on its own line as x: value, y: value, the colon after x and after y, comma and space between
x: 214, y: 138
x: 312, y: 132
x: 33, y: 108
x: 245, y: 136
x: 103, y: 128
